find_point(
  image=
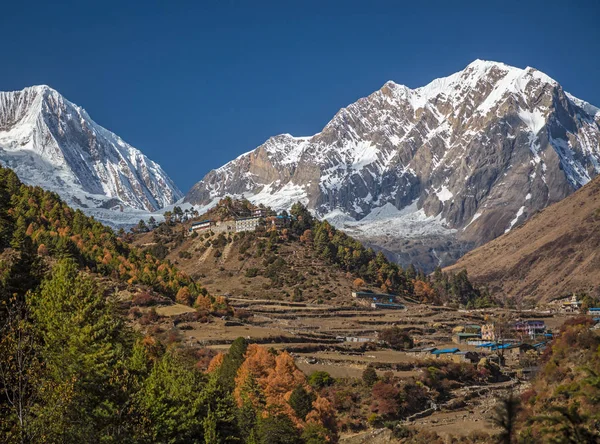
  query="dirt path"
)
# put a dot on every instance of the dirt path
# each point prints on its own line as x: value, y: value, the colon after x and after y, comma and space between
x: 226, y: 251
x: 206, y: 254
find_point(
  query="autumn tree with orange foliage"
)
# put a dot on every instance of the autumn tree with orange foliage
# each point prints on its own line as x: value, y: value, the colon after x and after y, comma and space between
x: 215, y: 363
x: 306, y: 237
x: 184, y: 296
x: 203, y: 304
x: 267, y: 381
x: 358, y: 283
x: 423, y: 291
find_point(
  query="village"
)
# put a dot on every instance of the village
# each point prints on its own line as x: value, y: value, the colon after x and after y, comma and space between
x: 510, y: 339
x: 344, y: 341
x: 342, y: 327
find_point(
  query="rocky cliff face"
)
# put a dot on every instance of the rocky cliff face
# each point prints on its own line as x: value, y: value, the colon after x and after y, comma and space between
x: 457, y: 162
x: 54, y: 143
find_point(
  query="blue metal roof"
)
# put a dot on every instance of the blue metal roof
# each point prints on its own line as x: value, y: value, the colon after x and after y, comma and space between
x: 444, y: 351
x: 201, y: 222
x: 594, y: 309
x: 487, y: 344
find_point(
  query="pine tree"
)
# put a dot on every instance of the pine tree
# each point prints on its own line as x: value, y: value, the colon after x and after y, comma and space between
x: 142, y: 227
x: 301, y: 401
x: 171, y: 402
x: 220, y: 423
x: 19, y: 233
x: 85, y: 345
x: 231, y: 363
x: 210, y: 428
x: 278, y: 429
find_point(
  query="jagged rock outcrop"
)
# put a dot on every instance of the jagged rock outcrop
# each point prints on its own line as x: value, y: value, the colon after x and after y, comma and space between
x: 455, y: 163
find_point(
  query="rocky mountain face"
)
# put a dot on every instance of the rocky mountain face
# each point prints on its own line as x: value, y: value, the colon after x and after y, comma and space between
x: 429, y: 173
x: 51, y: 142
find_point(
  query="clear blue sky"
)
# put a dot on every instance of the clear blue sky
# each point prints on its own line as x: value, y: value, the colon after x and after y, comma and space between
x: 195, y: 84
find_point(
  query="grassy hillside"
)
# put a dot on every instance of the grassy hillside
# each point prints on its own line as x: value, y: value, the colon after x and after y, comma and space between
x: 554, y: 254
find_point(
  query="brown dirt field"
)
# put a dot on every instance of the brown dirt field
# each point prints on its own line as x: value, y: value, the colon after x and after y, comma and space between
x: 174, y: 310
x: 456, y: 423
x: 334, y: 370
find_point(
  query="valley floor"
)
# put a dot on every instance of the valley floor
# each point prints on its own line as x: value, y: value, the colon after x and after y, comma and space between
x: 342, y: 340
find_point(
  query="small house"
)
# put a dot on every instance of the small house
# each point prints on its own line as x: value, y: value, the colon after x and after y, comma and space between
x: 514, y: 352
x: 462, y: 338
x: 530, y: 328
x: 387, y: 306
x: 278, y: 222
x: 373, y: 296
x: 472, y: 328
x: 427, y: 351
x: 476, y: 342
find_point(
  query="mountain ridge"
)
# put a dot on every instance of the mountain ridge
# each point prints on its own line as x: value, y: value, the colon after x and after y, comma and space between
x: 477, y: 152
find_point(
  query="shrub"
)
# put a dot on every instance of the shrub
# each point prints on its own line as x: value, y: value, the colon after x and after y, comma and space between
x: 185, y: 255
x: 251, y: 272
x: 149, y: 317
x: 134, y: 313
x: 143, y: 299
x: 369, y: 376
x: 320, y: 379
x: 396, y: 338
x: 385, y: 398
x: 242, y: 314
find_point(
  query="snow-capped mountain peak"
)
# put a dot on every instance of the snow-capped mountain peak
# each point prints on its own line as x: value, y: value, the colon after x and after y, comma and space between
x: 54, y: 143
x: 476, y: 153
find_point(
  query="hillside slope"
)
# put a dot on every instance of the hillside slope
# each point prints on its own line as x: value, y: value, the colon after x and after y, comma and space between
x: 552, y: 255
x: 309, y: 260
